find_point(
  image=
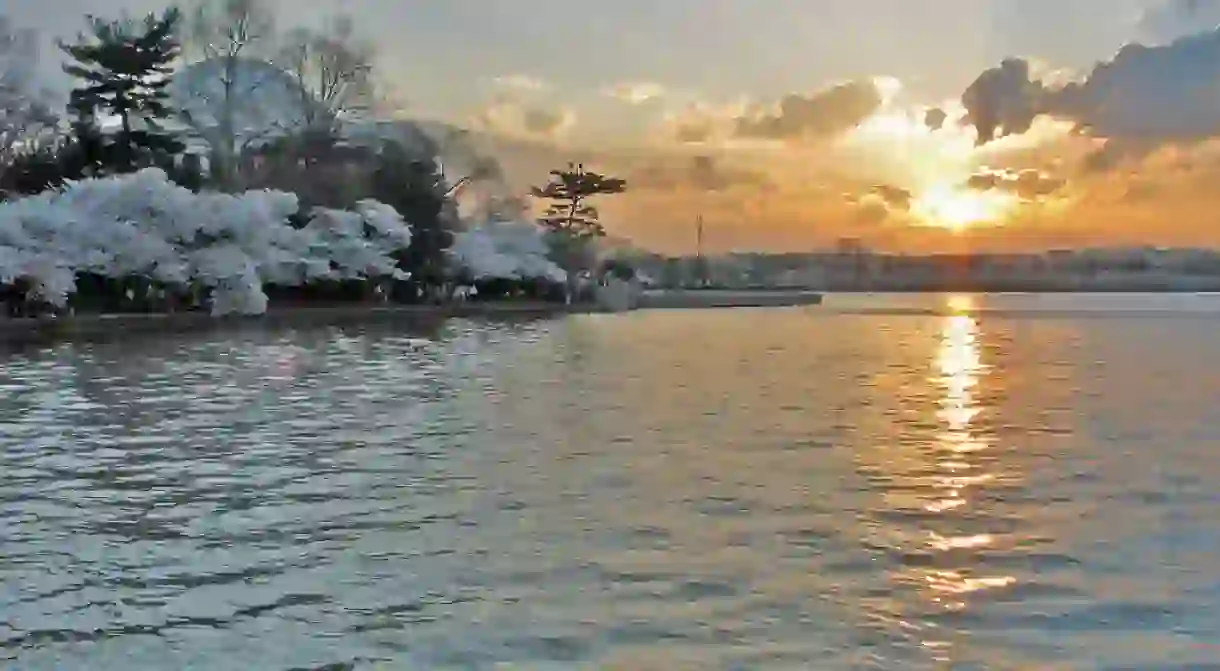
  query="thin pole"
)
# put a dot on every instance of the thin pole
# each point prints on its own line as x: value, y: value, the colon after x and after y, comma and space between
x: 700, y: 264
x: 699, y: 236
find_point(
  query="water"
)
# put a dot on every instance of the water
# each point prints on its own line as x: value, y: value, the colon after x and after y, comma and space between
x: 884, y: 482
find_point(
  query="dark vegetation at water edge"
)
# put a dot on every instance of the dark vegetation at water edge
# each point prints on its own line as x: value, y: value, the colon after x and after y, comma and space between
x: 354, y: 317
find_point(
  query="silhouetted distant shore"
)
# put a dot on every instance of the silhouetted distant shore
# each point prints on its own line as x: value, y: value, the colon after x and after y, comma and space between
x: 1178, y: 285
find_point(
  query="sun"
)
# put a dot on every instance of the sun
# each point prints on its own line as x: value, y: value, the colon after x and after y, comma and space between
x: 958, y: 209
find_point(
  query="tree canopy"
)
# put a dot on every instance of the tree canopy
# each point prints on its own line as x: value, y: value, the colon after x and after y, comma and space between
x: 124, y: 69
x: 569, y: 191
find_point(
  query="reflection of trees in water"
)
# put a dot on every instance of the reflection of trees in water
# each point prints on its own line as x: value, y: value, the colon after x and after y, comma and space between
x: 32, y: 380
x: 150, y: 436
x: 150, y: 418
x: 144, y: 380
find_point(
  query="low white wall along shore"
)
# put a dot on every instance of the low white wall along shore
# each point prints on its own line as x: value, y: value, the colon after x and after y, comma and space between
x: 707, y: 298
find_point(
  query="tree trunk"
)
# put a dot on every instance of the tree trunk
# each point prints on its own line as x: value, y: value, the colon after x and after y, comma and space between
x: 126, y: 157
x: 224, y: 170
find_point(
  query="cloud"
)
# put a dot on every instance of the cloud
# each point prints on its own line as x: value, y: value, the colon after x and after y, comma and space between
x: 823, y: 114
x: 636, y: 93
x: 1143, y: 98
x: 520, y: 82
x: 700, y: 122
x: 1172, y: 19
x: 693, y: 132
x: 935, y: 118
x: 513, y: 117
x: 796, y: 117
x: 699, y: 173
x: 1140, y: 190
x: 1003, y: 101
x: 880, y: 204
x: 894, y: 196
x: 1027, y: 184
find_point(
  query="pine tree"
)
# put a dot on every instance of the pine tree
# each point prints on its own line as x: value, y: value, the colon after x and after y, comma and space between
x: 572, y: 224
x: 569, y: 191
x: 124, y: 69
x: 414, y: 186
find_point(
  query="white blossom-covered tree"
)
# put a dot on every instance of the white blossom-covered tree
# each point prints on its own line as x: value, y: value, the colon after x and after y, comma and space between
x: 514, y: 250
x: 143, y: 225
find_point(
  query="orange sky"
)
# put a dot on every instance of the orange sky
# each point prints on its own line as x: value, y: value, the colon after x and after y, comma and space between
x: 892, y: 182
x: 789, y: 124
x: 865, y: 159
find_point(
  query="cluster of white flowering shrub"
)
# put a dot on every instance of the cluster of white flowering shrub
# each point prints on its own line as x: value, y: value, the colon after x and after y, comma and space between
x: 144, y: 225
x: 515, y: 250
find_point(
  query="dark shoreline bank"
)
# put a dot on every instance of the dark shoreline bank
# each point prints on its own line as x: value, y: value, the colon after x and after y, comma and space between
x: 1009, y: 288
x: 110, y: 326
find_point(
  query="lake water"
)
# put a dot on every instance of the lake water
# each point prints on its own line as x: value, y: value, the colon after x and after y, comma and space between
x: 907, y: 482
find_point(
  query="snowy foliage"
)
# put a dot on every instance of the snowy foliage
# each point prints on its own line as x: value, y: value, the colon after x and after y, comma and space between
x: 143, y: 225
x: 505, y: 250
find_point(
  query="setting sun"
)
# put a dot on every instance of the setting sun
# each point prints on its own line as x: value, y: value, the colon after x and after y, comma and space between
x: 958, y: 209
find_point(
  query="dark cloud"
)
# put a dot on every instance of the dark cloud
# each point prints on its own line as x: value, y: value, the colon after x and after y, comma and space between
x: 1143, y: 98
x: 1027, y: 184
x: 702, y: 173
x: 935, y: 118
x: 509, y: 114
x: 796, y: 117
x: 543, y: 121
x: 983, y: 181
x: 872, y: 212
x: 894, y: 196
x: 1003, y: 101
x: 820, y: 115
x: 880, y: 203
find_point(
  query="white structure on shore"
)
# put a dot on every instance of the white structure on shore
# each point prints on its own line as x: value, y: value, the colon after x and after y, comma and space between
x: 618, y: 295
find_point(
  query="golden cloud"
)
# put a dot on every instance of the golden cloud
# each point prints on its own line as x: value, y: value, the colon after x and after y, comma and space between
x: 635, y: 93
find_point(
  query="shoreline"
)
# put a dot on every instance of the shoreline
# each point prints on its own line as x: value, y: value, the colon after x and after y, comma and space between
x: 711, y: 299
x: 20, y: 331
x: 32, y: 330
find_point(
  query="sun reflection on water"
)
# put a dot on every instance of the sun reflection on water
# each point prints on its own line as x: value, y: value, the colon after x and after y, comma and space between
x: 961, y: 467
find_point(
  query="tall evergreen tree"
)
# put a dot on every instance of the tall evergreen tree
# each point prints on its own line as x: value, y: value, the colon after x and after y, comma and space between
x: 124, y: 69
x: 571, y: 222
x: 415, y: 187
x: 569, y: 191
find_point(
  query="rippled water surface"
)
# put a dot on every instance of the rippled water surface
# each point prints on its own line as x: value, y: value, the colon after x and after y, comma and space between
x: 768, y: 489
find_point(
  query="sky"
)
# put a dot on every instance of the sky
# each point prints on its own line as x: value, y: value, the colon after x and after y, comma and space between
x: 790, y: 124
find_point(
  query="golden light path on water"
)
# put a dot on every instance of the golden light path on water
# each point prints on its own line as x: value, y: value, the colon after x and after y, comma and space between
x: 957, y: 373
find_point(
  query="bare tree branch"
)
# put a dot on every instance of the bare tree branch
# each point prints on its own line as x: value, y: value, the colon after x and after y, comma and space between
x: 227, y: 35
x: 24, y: 114
x: 333, y: 70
